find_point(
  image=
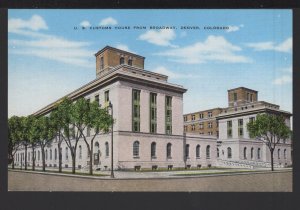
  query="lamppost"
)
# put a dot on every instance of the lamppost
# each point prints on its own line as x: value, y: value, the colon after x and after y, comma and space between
x: 112, y: 143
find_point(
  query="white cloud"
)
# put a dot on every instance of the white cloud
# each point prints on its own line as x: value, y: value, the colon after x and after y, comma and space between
x: 285, y: 46
x: 35, y: 23
x: 285, y: 79
x: 108, y: 21
x: 234, y: 28
x: 171, y: 74
x: 124, y: 47
x: 214, y: 48
x: 161, y: 37
x: 50, y: 47
x: 85, y: 23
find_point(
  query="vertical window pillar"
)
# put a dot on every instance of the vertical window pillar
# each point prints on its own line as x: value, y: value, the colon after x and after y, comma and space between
x: 153, y: 113
x: 136, y: 110
x: 168, y: 115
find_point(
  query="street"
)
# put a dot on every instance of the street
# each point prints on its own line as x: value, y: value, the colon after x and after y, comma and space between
x: 249, y: 182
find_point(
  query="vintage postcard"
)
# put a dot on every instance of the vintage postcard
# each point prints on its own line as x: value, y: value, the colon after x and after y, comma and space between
x: 150, y: 100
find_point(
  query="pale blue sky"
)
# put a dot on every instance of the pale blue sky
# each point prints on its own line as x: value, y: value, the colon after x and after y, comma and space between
x: 48, y: 58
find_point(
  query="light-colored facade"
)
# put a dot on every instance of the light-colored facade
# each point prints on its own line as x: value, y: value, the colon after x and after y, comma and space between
x: 148, y: 129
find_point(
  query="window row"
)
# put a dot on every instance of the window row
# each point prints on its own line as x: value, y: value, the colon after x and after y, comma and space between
x: 201, y: 116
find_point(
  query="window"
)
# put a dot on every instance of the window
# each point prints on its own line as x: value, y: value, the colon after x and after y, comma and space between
x: 240, y: 127
x: 210, y: 133
x: 210, y: 125
x: 209, y: 114
x: 185, y: 128
x: 251, y: 153
x: 229, y: 153
x: 72, y: 132
x: 284, y: 153
x: 101, y: 63
x: 50, y: 154
x: 39, y: 155
x: 67, y: 155
x: 136, y: 110
x: 185, y: 118
x: 258, y: 153
x: 55, y: 154
x: 235, y: 96
x: 251, y: 119
x: 168, y: 115
x: 217, y: 132
x: 201, y: 116
x: 153, y: 150
x: 248, y: 96
x: 97, y: 99
x: 80, y: 152
x: 201, y: 125
x: 193, y: 117
x: 278, y: 151
x: 130, y: 62
x: 198, y: 151
x: 207, y: 152
x: 251, y: 97
x: 46, y: 155
x: 153, y: 113
x: 187, y: 151
x: 169, y: 150
x: 229, y: 129
x: 28, y: 156
x: 122, y: 60
x: 97, y: 150
x: 245, y: 152
x: 106, y: 149
x: 106, y: 96
x: 193, y: 127
x: 136, y: 148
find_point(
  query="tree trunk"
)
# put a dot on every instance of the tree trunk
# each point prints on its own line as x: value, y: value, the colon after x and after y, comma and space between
x: 59, y: 158
x: 272, y: 160
x: 25, y: 157
x: 33, y: 159
x: 73, y: 163
x: 13, y: 162
x: 43, y: 159
x: 91, y: 159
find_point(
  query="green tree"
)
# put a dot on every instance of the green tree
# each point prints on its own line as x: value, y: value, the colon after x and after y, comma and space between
x: 270, y: 129
x: 14, y: 139
x: 90, y: 116
x: 34, y: 137
x: 25, y: 125
x: 47, y: 133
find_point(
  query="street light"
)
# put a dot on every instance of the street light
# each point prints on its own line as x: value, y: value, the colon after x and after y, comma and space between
x: 112, y: 143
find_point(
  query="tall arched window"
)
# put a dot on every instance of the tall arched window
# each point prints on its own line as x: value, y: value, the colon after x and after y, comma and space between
x: 130, y: 62
x: 245, y: 152
x: 198, y: 151
x: 187, y: 151
x: 218, y: 152
x: 106, y: 149
x: 122, y: 60
x: 46, y: 155
x: 207, y: 152
x: 284, y: 153
x: 39, y: 155
x: 278, y: 153
x: 55, y: 154
x: 229, y: 152
x: 50, y: 154
x: 252, y: 153
x: 169, y: 150
x: 258, y: 153
x: 67, y: 155
x: 80, y: 152
x: 153, y: 150
x: 136, y: 149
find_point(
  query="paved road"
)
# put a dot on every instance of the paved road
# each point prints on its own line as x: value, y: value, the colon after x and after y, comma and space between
x: 263, y: 182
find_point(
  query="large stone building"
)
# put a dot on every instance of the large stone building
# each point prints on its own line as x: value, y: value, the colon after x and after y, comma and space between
x: 148, y: 129
x: 234, y: 146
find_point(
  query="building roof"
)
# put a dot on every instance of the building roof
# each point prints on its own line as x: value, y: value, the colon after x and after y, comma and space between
x: 121, y: 72
x: 118, y: 50
x: 243, y: 88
